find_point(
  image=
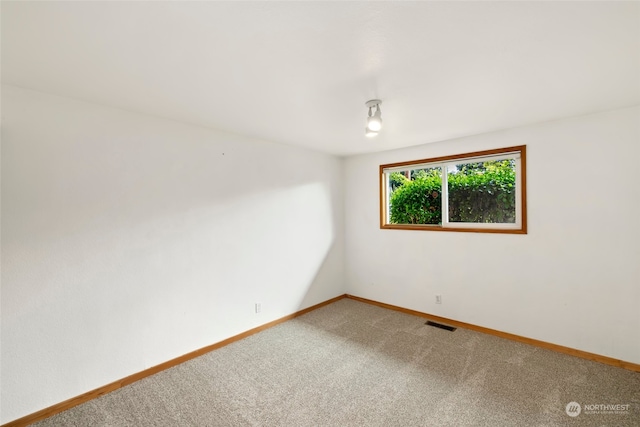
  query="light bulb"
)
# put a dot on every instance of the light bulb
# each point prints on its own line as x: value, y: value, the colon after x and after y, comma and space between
x: 370, y: 133
x: 375, y: 122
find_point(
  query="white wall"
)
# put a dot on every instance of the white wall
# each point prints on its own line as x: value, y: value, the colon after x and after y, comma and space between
x: 574, y: 280
x: 129, y: 240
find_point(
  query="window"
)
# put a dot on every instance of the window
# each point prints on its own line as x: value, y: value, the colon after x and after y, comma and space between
x: 483, y: 191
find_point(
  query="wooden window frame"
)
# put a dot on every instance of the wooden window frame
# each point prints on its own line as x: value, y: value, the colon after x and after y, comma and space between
x: 521, y: 188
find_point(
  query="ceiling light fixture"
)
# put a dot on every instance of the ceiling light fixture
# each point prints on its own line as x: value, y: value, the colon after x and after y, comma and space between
x: 374, y: 121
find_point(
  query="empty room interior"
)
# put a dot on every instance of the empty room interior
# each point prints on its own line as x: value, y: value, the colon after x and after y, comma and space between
x: 245, y: 213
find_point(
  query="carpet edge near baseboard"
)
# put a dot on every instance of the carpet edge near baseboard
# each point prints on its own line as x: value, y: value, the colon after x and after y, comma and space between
x: 90, y: 395
x: 100, y: 391
x: 513, y: 337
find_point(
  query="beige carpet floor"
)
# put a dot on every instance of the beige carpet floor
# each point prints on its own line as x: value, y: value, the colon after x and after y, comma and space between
x: 353, y: 364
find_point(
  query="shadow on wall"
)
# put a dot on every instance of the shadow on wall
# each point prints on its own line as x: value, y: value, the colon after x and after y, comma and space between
x: 171, y: 271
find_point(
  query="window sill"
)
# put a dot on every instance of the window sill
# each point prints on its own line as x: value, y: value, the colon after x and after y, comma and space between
x: 522, y: 230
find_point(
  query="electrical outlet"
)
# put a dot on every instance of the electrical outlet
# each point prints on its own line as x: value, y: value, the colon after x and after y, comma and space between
x: 258, y: 307
x: 438, y: 299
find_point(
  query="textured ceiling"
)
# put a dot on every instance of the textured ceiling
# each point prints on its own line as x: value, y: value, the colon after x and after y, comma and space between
x: 299, y: 72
